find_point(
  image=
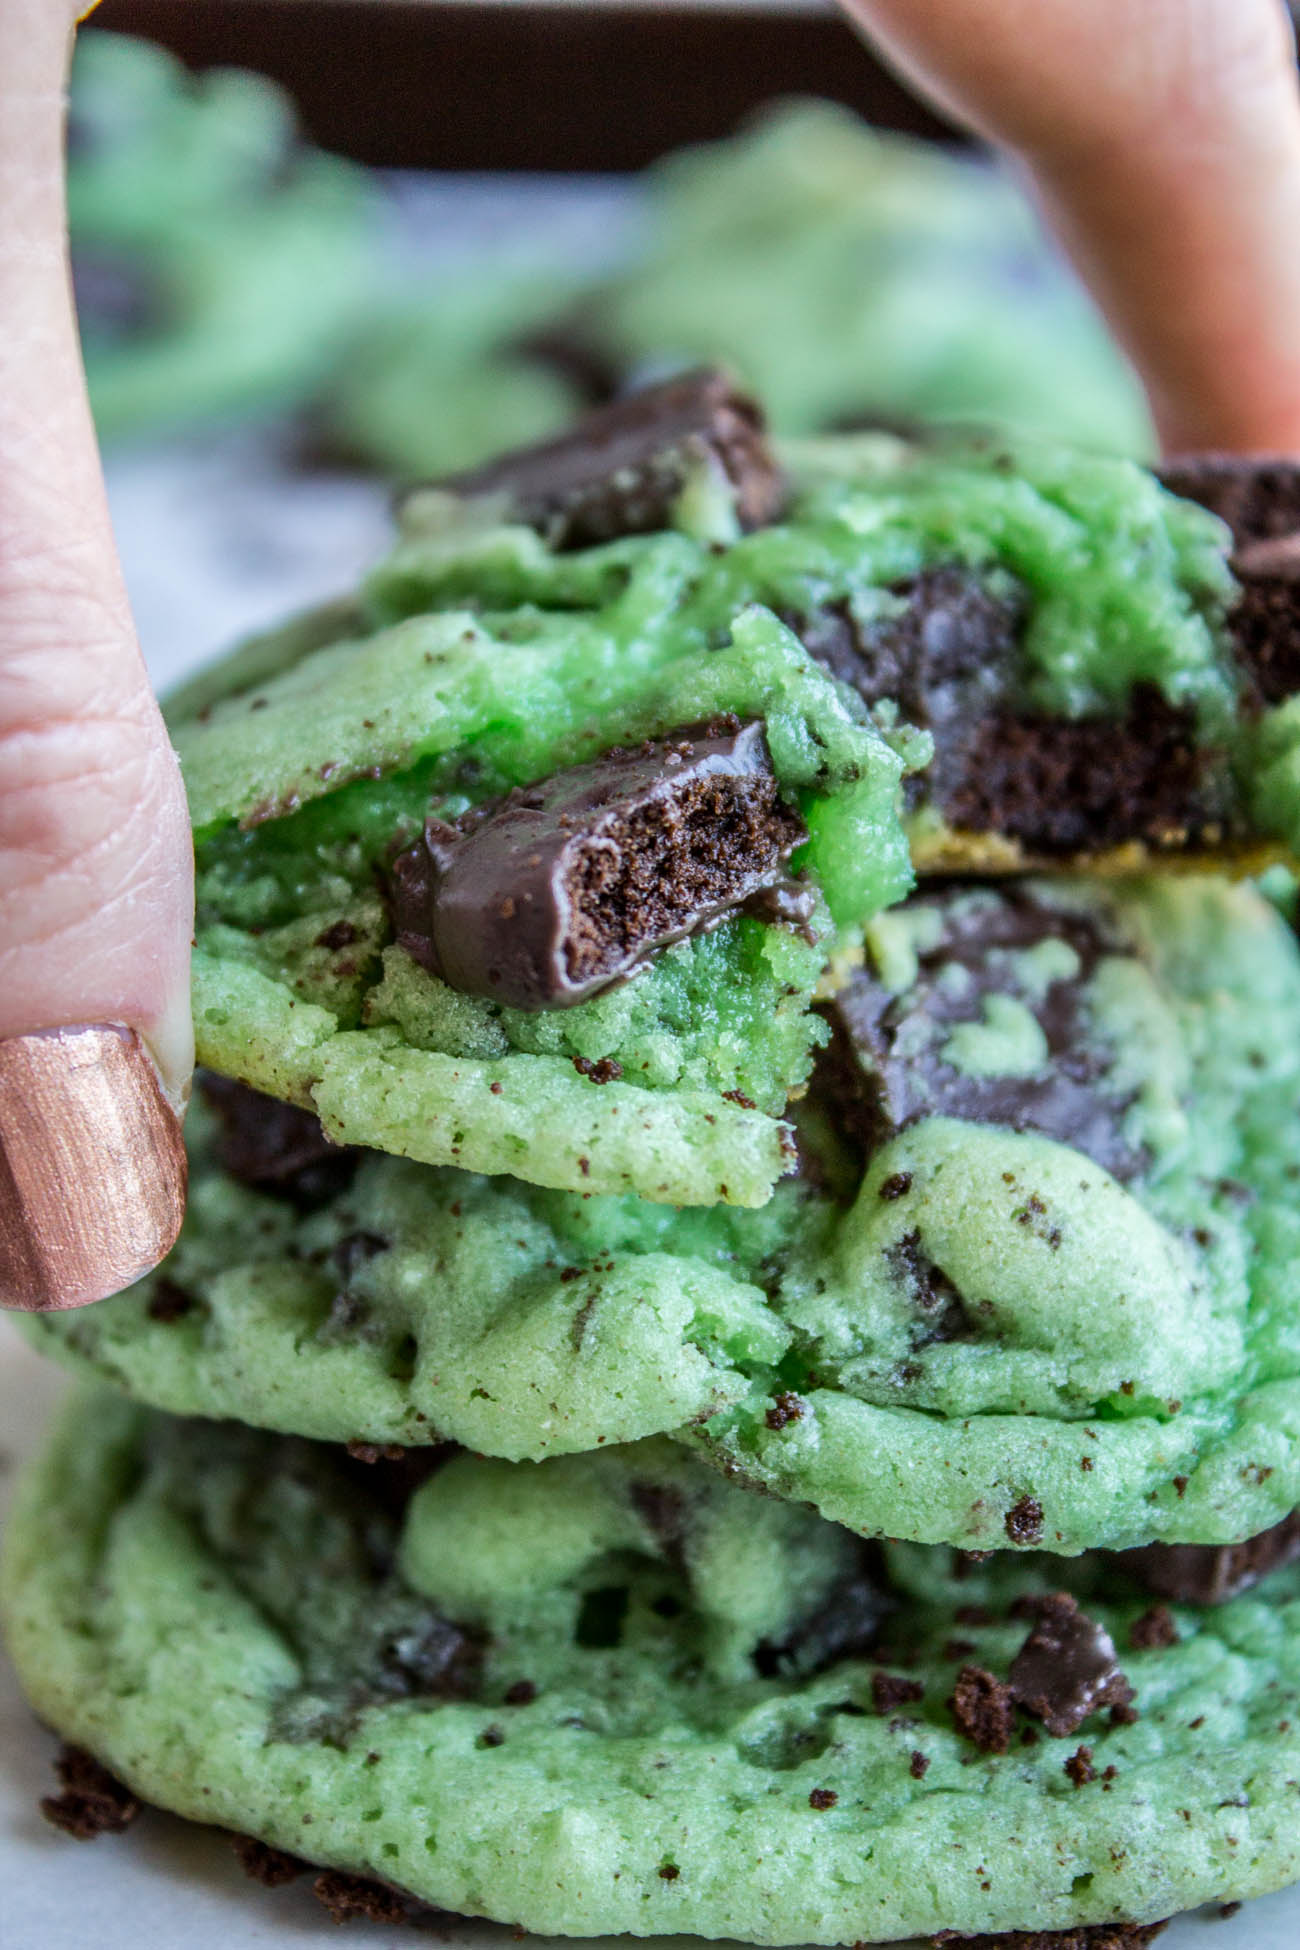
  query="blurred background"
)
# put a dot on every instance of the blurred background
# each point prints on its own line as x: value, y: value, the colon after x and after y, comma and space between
x: 321, y: 247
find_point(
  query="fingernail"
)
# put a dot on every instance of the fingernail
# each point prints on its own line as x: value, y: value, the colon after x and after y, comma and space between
x: 92, y: 1167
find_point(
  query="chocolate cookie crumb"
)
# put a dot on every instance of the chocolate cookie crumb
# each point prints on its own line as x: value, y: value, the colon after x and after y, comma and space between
x: 889, y: 1690
x: 919, y: 1764
x: 351, y: 1898
x: 374, y: 1452
x: 1154, y: 1630
x: 1024, y: 1521
x: 93, y: 1802
x: 822, y: 1798
x: 272, y: 1867
x: 983, y: 1710
x: 1079, y: 1768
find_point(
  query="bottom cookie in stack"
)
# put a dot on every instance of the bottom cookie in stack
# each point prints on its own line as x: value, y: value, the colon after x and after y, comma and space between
x: 617, y: 1693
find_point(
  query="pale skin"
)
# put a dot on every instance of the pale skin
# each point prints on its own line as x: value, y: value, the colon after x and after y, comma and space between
x: 1162, y: 138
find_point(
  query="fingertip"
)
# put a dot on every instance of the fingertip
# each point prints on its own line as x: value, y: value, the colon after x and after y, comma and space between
x: 92, y: 1166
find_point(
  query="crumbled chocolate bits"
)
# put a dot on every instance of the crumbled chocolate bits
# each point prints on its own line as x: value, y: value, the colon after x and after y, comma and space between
x: 93, y: 1802
x: 351, y: 1899
x: 983, y: 1709
x: 567, y: 885
x: 1079, y: 1768
x: 1023, y: 1523
x: 1210, y: 1574
x: 890, y: 1690
x: 1259, y: 498
x: 274, y: 1868
x: 1067, y: 1668
x: 886, y: 1066
x: 786, y: 1408
x: 919, y: 1765
x: 822, y: 1798
x: 275, y: 1147
x: 1154, y: 1631
x: 1087, y: 1936
x: 622, y: 469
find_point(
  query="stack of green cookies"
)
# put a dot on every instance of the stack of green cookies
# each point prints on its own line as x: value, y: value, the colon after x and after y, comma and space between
x: 734, y: 1364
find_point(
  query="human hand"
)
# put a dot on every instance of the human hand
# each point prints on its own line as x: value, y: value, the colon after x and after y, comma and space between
x: 1163, y: 140
x: 95, y: 866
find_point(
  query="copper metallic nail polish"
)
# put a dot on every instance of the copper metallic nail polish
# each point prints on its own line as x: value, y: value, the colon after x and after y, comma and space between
x: 92, y: 1166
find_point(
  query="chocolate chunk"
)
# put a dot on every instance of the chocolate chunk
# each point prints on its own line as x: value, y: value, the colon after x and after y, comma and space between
x: 566, y: 348
x: 622, y: 468
x: 878, y: 1091
x: 351, y: 1898
x: 1259, y: 498
x: 786, y: 1408
x: 567, y: 885
x: 1087, y: 1936
x: 845, y: 1625
x: 1067, y: 1669
x: 1210, y: 1574
x: 950, y: 659
x: 947, y: 657
x: 983, y: 1709
x: 276, y: 1147
x: 1063, y: 786
x: 274, y: 1868
x: 93, y: 1801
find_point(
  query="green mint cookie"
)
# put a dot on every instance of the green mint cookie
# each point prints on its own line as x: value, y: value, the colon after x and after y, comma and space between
x: 1033, y: 1283
x: 616, y: 1694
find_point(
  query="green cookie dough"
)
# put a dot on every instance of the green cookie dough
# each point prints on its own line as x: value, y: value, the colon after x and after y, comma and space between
x: 220, y: 265
x: 845, y: 275
x: 1056, y: 1304
x: 616, y: 1694
x: 327, y: 756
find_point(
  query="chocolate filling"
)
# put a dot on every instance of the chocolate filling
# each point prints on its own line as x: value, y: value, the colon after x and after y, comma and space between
x: 1066, y: 1669
x: 881, y: 1077
x: 565, y: 886
x: 950, y: 660
x: 275, y: 1147
x: 1260, y: 501
x: 1210, y: 1574
x: 622, y: 468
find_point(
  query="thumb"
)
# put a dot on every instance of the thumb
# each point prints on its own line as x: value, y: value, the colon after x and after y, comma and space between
x: 95, y: 865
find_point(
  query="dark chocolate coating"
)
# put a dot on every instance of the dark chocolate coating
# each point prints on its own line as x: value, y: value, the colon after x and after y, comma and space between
x: 951, y: 660
x: 1066, y: 1669
x: 877, y: 1094
x: 567, y: 885
x: 1210, y: 1574
x: 622, y: 467
x: 1259, y: 498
